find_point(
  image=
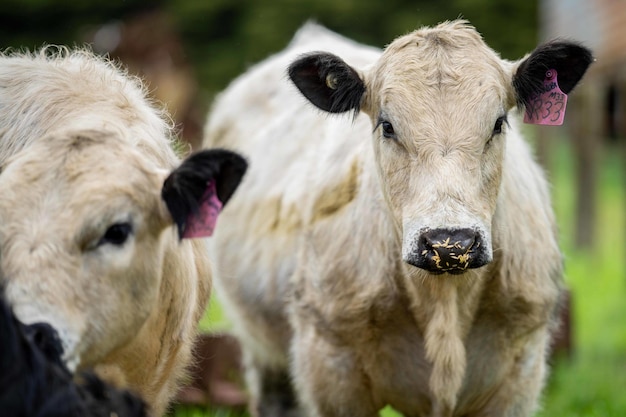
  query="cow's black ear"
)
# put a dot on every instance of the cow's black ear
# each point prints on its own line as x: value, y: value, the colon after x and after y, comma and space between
x: 328, y: 82
x: 184, y: 189
x: 569, y: 59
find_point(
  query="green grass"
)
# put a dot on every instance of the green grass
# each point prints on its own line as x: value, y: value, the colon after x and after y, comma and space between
x: 592, y: 383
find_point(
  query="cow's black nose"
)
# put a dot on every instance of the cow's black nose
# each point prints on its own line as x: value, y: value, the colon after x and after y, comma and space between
x: 46, y: 339
x: 452, y: 251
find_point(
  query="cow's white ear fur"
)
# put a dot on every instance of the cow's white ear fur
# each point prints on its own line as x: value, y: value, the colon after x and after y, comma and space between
x: 162, y: 211
x: 510, y: 68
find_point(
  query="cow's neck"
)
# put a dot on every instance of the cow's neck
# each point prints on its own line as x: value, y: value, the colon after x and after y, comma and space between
x: 444, y: 307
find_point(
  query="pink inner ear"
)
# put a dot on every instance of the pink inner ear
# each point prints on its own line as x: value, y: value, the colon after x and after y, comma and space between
x: 202, y: 223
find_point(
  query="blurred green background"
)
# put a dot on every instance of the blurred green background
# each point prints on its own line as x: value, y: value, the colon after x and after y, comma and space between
x: 214, y: 40
x: 189, y: 50
x: 222, y: 37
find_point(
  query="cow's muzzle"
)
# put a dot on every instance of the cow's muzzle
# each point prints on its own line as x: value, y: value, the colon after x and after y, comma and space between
x: 46, y: 338
x: 451, y: 251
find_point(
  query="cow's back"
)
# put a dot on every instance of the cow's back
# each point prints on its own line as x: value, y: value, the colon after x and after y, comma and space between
x: 296, y: 155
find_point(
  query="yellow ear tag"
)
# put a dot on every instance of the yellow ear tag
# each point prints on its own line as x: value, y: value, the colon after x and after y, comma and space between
x: 331, y: 81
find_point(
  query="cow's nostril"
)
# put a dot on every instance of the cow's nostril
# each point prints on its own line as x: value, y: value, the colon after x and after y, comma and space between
x: 451, y: 241
x: 46, y: 339
x: 459, y: 243
x: 444, y: 250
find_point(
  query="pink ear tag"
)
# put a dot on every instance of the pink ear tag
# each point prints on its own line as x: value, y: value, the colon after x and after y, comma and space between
x: 548, y: 107
x: 202, y: 223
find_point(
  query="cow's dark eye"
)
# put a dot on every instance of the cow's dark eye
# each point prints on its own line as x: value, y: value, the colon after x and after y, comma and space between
x: 117, y: 234
x: 387, y: 128
x: 497, y: 128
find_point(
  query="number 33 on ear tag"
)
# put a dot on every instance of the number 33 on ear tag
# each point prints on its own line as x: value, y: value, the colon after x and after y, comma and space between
x: 547, y: 107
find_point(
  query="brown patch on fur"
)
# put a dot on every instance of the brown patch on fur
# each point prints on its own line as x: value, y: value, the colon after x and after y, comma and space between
x: 80, y: 142
x: 289, y: 219
x: 437, y: 39
x: 274, y: 216
x: 112, y: 374
x: 333, y: 198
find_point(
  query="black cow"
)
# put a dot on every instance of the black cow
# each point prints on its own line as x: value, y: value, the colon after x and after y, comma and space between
x: 34, y: 382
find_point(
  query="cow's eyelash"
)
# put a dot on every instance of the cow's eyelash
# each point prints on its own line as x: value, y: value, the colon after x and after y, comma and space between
x: 497, y: 128
x: 387, y: 128
x: 117, y: 234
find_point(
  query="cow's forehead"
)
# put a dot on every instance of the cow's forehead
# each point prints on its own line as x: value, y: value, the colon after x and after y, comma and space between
x: 84, y: 152
x: 76, y: 170
x: 448, y: 59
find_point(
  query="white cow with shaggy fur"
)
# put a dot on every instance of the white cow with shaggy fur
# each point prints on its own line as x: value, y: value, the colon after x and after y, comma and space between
x: 404, y: 253
x: 94, y: 209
